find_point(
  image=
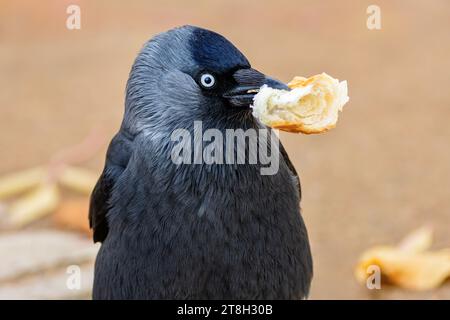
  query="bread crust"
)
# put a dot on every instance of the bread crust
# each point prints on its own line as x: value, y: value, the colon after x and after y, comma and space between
x: 295, y: 127
x: 323, y: 89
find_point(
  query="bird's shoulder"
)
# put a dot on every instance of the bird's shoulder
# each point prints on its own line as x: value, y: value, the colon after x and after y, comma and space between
x: 117, y: 157
x: 291, y: 167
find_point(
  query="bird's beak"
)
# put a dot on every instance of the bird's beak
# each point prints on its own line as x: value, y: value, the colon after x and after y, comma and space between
x: 248, y: 81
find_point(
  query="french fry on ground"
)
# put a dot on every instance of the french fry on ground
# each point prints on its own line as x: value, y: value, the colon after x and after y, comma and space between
x: 34, y: 205
x: 417, y: 241
x: 78, y: 179
x: 408, y: 265
x: 15, y: 183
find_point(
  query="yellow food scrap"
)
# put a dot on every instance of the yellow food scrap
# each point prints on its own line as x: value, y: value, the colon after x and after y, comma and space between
x: 408, y: 265
x: 34, y: 205
x: 15, y: 183
x: 78, y: 179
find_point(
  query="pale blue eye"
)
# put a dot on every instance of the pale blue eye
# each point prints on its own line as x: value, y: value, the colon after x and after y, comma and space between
x: 207, y: 80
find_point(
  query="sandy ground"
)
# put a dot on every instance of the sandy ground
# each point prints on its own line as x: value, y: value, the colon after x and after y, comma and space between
x: 384, y: 171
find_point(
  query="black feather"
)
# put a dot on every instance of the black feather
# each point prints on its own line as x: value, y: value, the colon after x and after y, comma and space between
x: 117, y: 157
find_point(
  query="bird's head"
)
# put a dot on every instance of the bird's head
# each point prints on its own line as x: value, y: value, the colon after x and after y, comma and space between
x: 188, y: 74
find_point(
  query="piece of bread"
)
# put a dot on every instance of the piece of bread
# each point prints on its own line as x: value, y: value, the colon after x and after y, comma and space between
x: 312, y: 106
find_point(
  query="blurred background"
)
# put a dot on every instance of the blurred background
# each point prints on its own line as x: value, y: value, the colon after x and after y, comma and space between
x: 384, y: 171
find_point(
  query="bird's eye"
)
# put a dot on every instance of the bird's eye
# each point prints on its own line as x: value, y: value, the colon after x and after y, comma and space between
x: 207, y: 80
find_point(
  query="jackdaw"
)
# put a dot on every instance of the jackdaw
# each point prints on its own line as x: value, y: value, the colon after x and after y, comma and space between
x: 195, y: 230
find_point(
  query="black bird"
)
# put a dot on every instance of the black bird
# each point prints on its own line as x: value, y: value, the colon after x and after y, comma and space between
x: 194, y: 231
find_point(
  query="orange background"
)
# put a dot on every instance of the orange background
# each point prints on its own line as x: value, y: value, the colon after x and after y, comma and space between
x: 383, y: 171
